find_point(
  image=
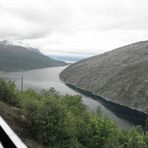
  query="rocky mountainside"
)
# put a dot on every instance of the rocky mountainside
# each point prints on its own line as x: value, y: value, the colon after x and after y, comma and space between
x: 17, y: 58
x: 120, y: 75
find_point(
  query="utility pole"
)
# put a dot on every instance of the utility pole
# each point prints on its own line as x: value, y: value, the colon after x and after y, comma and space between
x: 146, y: 121
x: 22, y: 85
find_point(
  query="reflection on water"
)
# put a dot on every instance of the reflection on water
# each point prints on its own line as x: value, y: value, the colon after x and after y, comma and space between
x: 49, y: 77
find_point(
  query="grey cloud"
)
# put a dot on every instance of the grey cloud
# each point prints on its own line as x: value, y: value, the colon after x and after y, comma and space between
x: 39, y: 21
x: 33, y: 20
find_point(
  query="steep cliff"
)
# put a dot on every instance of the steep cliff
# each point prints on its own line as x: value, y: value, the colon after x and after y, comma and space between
x: 120, y: 75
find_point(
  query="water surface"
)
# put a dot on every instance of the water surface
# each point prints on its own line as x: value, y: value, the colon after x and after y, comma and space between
x: 49, y: 77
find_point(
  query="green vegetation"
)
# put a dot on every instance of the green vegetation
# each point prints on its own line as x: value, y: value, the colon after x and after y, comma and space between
x: 8, y: 92
x: 64, y: 122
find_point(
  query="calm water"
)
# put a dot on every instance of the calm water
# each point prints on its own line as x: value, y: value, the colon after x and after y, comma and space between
x: 49, y: 77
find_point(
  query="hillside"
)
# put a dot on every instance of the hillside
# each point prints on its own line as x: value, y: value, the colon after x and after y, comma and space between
x: 120, y: 75
x: 13, y: 118
x: 17, y: 58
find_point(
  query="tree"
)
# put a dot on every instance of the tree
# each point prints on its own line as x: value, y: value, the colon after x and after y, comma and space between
x: 8, y: 92
x: 50, y: 92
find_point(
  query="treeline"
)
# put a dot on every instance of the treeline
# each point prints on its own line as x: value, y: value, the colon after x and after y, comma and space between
x: 59, y: 121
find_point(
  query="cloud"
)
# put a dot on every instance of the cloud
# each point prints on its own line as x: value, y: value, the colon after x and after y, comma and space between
x: 30, y: 19
x: 74, y: 26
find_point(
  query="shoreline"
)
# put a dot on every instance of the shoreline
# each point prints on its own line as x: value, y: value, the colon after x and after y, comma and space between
x: 130, y: 114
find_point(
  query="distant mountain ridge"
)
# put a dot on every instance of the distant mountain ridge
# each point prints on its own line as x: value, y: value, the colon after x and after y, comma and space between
x: 68, y: 58
x: 18, y: 58
x: 121, y: 75
x: 9, y: 43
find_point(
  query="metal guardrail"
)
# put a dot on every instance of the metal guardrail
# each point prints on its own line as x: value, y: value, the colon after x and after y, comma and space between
x: 8, y: 139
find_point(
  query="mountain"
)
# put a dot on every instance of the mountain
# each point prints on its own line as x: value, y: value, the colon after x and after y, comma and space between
x: 121, y: 75
x: 34, y: 50
x: 17, y: 58
x: 69, y: 58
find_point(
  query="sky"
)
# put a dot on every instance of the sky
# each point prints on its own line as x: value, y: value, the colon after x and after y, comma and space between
x: 74, y: 27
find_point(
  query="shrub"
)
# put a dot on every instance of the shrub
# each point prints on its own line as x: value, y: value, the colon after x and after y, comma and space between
x: 8, y: 92
x: 64, y: 121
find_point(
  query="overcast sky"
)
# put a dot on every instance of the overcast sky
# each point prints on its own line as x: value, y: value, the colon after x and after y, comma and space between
x: 74, y: 26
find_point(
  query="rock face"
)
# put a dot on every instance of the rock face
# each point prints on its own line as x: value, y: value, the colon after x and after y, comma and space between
x: 120, y: 75
x: 18, y: 58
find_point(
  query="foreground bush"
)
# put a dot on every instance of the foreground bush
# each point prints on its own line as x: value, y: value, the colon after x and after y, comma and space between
x: 8, y: 92
x: 64, y: 122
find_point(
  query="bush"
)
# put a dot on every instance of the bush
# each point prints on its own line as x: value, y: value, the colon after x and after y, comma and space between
x: 64, y: 121
x: 8, y: 92
x: 61, y: 120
